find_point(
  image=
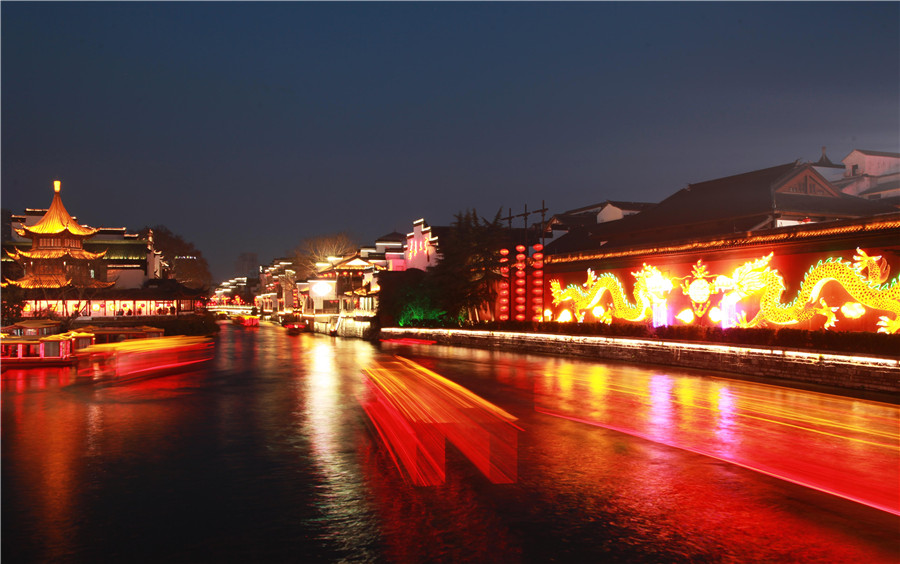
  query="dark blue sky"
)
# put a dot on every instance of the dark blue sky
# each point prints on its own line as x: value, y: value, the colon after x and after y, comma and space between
x: 247, y: 127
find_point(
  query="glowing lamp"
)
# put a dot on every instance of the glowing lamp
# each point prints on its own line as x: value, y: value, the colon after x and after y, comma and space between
x: 504, y: 317
x: 520, y: 291
x: 520, y: 248
x: 520, y: 274
x: 698, y: 292
x: 565, y: 316
x: 598, y: 311
x: 321, y: 288
x: 504, y: 270
x: 538, y: 265
x: 538, y: 247
x: 538, y: 273
x: 504, y: 308
x: 538, y: 256
x: 520, y: 317
x: 520, y: 258
x: 686, y: 316
x: 56, y: 186
x: 715, y: 314
x: 95, y: 307
x: 520, y: 300
x: 504, y: 252
x: 853, y: 310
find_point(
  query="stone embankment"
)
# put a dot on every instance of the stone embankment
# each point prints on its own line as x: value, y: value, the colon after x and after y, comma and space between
x: 862, y: 373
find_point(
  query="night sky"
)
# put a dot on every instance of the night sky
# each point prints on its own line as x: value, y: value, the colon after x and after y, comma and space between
x: 248, y: 127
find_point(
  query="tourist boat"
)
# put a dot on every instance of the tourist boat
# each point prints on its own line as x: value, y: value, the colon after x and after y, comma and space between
x: 245, y: 320
x: 42, y: 350
x: 142, y: 357
x: 295, y: 327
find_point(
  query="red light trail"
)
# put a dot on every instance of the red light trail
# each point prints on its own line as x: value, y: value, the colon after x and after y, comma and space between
x: 836, y: 445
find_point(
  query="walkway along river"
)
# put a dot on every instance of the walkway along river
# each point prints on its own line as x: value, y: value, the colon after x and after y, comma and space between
x: 266, y: 454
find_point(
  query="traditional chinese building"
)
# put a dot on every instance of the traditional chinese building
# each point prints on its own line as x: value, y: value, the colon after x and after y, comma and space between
x: 57, y: 258
x: 76, y: 270
x: 778, y: 247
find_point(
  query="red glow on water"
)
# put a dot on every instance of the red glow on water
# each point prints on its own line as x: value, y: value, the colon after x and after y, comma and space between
x: 415, y: 411
x: 409, y: 341
x: 827, y: 443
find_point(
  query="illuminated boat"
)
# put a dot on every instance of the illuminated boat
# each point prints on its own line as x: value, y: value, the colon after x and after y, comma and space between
x: 245, y: 320
x: 142, y: 357
x: 44, y: 350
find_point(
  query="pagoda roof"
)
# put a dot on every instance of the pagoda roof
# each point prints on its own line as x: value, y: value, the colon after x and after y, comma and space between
x: 41, y: 281
x: 56, y: 220
x: 78, y: 254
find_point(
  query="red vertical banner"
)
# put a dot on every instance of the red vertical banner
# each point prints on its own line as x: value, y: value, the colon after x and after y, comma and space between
x: 537, y: 282
x: 503, y: 300
x: 521, y: 283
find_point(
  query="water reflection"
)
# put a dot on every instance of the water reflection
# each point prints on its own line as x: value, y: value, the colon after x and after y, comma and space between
x: 825, y: 442
x: 266, y: 456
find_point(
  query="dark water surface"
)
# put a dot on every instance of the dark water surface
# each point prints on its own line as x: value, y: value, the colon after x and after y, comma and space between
x: 266, y: 456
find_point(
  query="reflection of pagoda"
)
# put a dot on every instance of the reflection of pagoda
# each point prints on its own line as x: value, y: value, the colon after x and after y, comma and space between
x: 57, y: 258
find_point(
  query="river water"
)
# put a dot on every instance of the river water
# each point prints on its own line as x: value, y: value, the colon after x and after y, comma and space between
x: 266, y: 455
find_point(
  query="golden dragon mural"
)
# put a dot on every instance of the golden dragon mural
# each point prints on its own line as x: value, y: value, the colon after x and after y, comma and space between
x: 864, y: 280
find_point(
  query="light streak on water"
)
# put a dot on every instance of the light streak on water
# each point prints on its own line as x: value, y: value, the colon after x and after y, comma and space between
x: 832, y: 444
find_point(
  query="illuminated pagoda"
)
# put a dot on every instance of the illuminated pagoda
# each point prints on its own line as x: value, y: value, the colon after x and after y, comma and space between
x: 57, y: 258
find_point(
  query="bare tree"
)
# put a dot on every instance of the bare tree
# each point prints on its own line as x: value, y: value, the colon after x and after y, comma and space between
x: 318, y: 249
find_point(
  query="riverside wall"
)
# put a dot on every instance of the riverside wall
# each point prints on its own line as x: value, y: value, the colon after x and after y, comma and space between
x: 852, y: 372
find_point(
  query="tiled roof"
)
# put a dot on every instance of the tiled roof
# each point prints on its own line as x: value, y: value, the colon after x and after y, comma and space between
x: 49, y: 254
x: 56, y: 220
x: 392, y: 237
x: 879, y: 153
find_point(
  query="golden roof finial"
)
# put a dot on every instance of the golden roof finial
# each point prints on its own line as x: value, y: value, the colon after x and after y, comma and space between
x: 56, y: 184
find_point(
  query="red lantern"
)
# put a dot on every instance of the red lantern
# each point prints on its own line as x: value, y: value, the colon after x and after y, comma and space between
x: 538, y: 265
x: 538, y: 247
x: 520, y: 317
x: 538, y: 256
x: 520, y: 291
x: 538, y: 273
x: 504, y: 252
x: 520, y: 248
x: 520, y: 300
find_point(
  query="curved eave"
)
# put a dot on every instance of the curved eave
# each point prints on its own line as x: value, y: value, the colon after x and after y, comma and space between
x: 57, y: 220
x: 54, y: 282
x: 31, y: 282
x: 46, y: 254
